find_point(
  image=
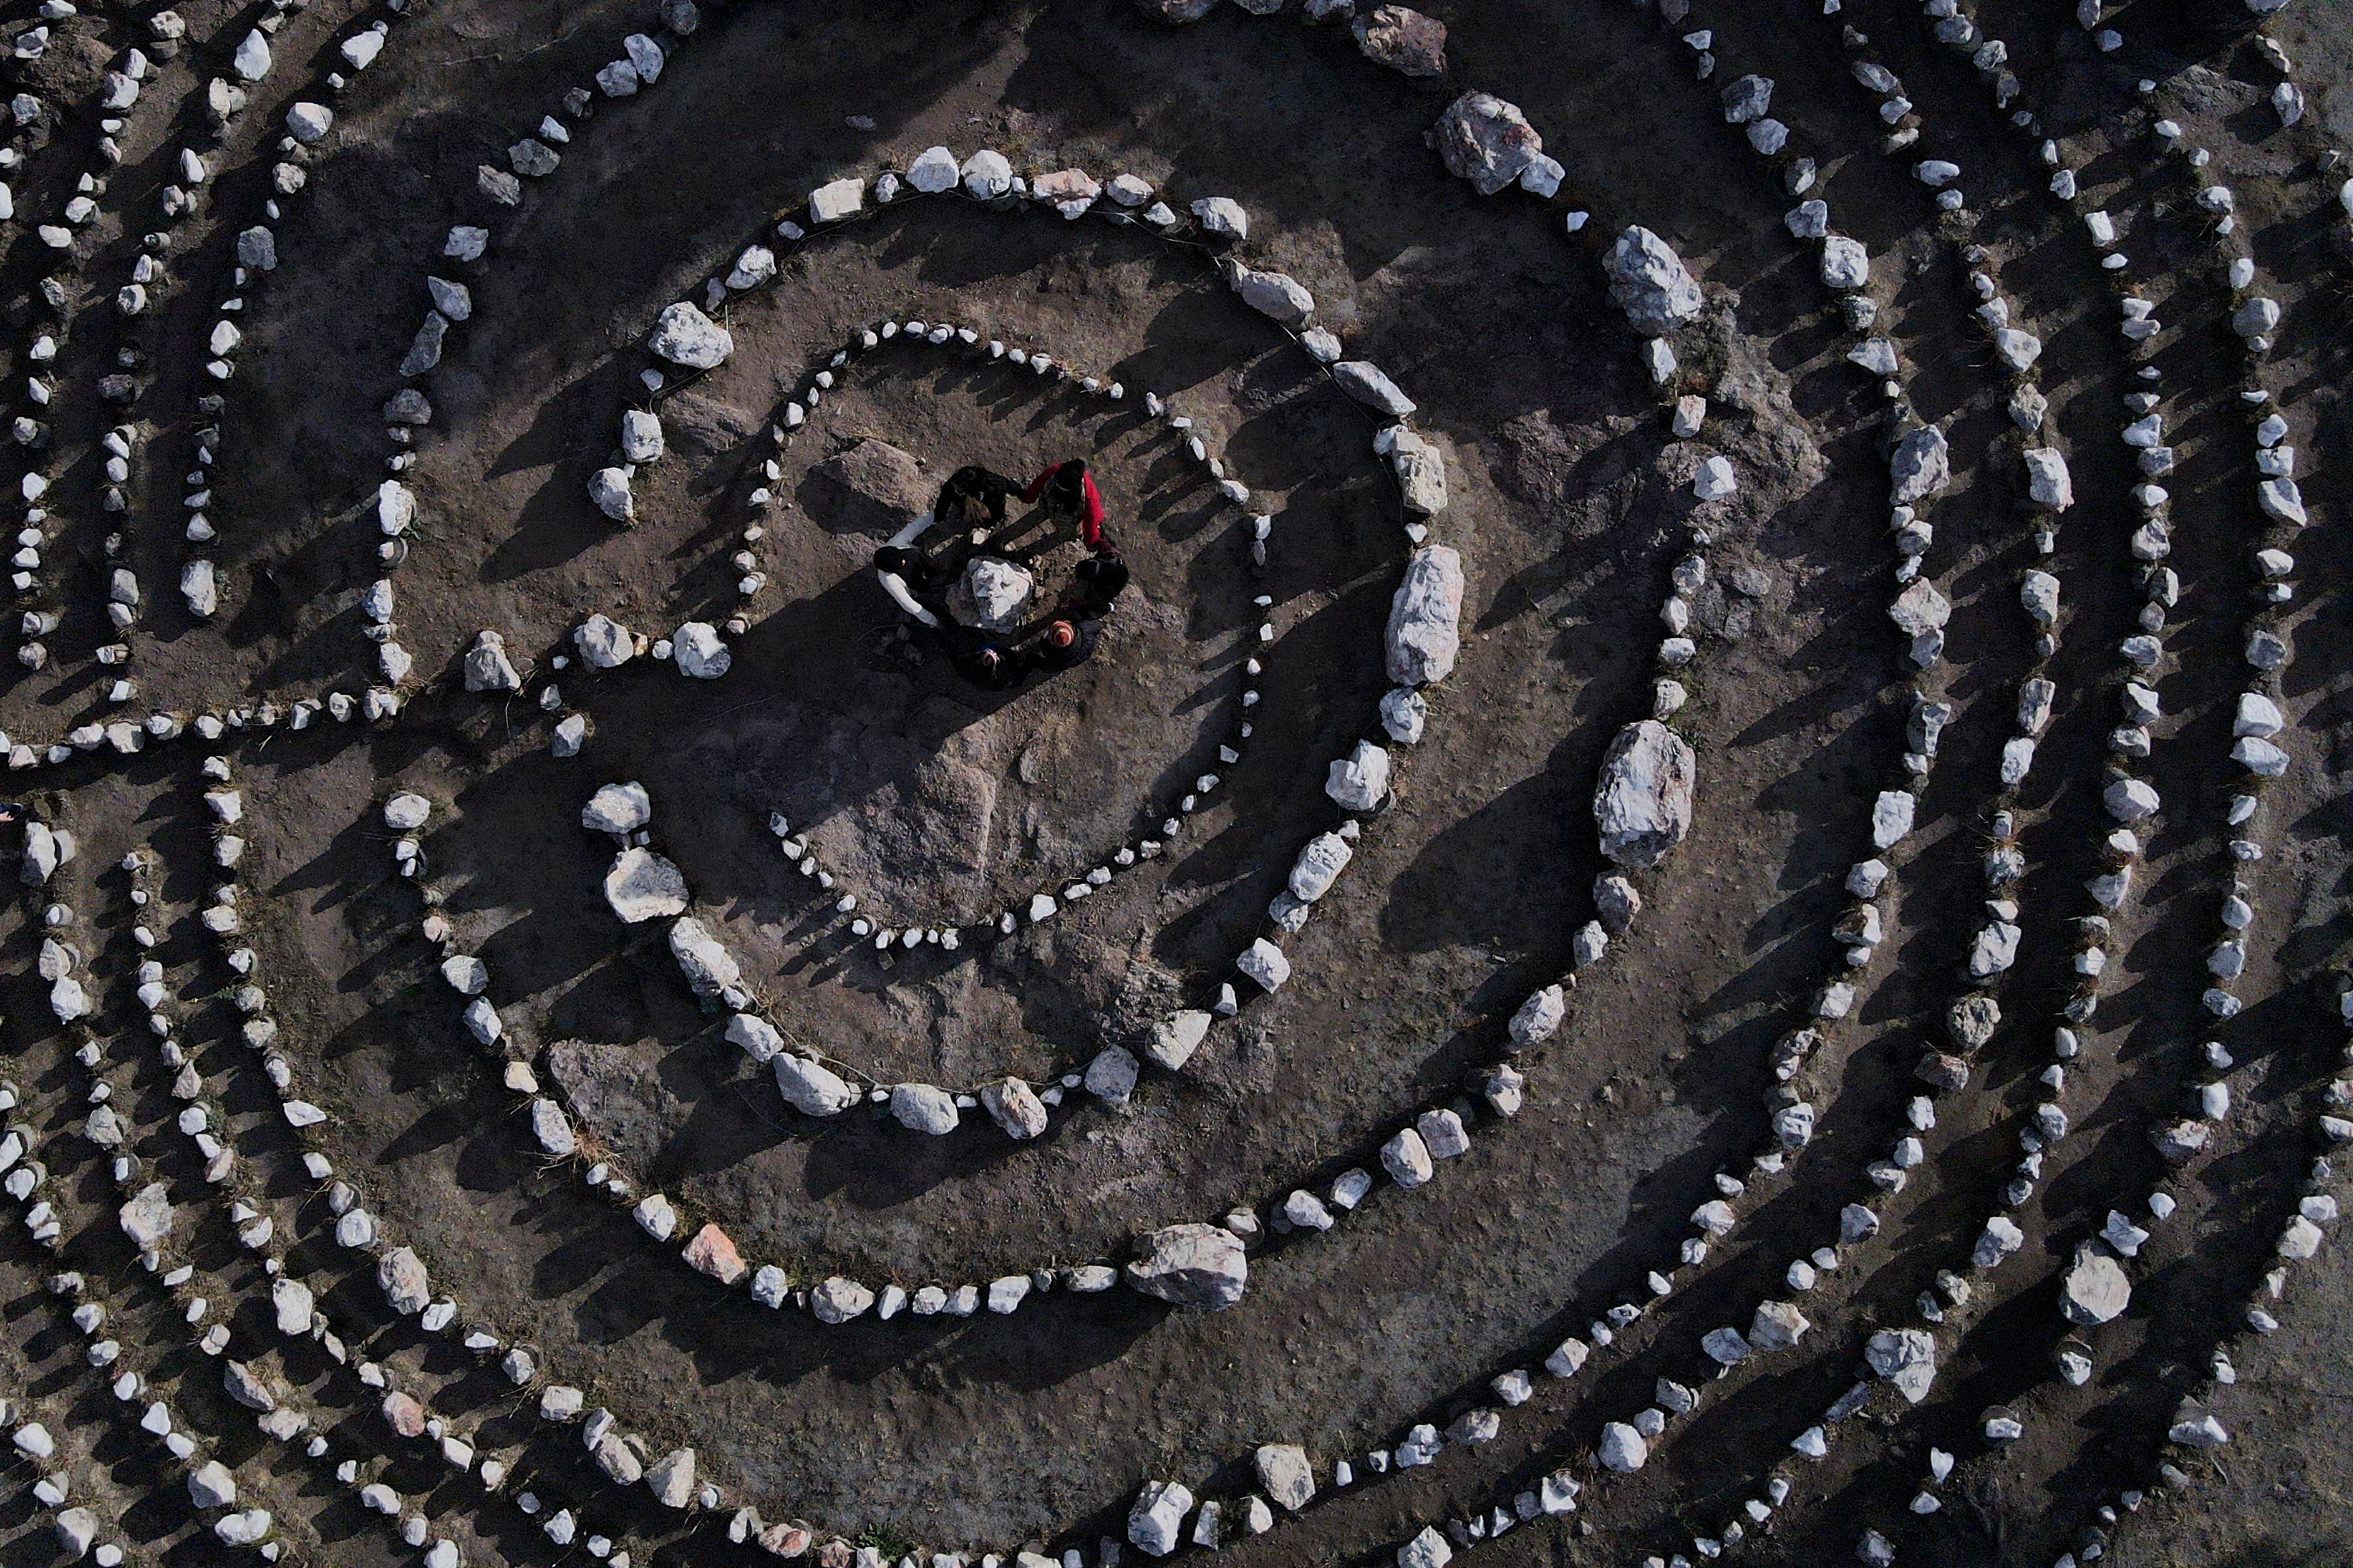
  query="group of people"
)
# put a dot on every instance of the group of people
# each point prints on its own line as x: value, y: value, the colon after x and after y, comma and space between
x: 968, y: 523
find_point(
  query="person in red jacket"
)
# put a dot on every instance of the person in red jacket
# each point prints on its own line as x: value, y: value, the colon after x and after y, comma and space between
x: 1069, y: 493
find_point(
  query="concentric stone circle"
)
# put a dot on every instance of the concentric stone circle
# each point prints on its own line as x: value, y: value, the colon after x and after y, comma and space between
x: 2004, y: 952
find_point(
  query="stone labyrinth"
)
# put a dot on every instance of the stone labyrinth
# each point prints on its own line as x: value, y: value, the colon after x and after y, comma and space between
x: 1694, y: 908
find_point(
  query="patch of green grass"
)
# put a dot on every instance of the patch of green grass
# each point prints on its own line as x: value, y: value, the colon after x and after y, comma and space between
x: 887, y: 1539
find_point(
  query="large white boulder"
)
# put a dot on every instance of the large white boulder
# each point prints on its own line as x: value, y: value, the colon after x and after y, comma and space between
x: 1643, y: 803
x: 1650, y: 283
x: 684, y: 336
x: 1425, y: 616
x: 1192, y: 1265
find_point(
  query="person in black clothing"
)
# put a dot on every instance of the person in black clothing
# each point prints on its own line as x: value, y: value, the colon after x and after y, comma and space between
x: 973, y: 498
x: 1100, y: 577
x: 1068, y: 642
x: 992, y: 669
x: 980, y: 657
x: 926, y: 576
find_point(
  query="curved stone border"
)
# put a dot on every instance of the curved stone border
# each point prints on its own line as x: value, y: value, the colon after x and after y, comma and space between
x: 118, y: 90
x: 229, y: 97
x: 600, y: 644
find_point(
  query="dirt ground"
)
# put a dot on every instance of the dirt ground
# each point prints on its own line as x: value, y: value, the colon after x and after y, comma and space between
x: 939, y: 804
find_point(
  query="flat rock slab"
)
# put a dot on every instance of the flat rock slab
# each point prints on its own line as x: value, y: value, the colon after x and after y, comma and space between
x: 870, y: 486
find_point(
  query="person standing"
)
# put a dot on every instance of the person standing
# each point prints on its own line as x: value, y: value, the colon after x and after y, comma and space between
x: 1098, y: 581
x: 973, y: 498
x: 1070, y: 494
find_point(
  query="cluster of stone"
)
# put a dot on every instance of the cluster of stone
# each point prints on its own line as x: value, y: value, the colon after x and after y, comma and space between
x: 400, y: 1273
x: 448, y: 289
x: 1422, y: 637
x: 146, y: 1217
x: 1659, y: 296
x: 689, y: 339
x: 62, y: 252
x: 2096, y: 1287
x: 81, y: 1532
x: 1397, y: 37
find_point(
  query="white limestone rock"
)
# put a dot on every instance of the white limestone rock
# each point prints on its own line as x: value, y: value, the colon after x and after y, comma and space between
x: 1650, y: 283
x: 2096, y: 1289
x: 1359, y: 780
x: 1197, y: 1266
x: 641, y: 885
x: 934, y: 170
x: 699, y: 652
x: 1643, y: 805
x: 1423, y: 636
x: 1155, y: 1523
x: 924, y: 1107
x: 684, y: 336
x: 487, y: 667
x: 810, y: 1087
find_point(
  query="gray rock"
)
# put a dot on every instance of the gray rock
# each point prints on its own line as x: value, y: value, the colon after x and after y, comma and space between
x: 811, y: 1088
x: 1423, y: 636
x: 1285, y: 1474
x: 1192, y: 1265
x: 2047, y: 478
x: 700, y: 651
x: 1175, y: 1039
x: 425, y: 349
x: 924, y: 1107
x: 709, y: 967
x: 2096, y: 1289
x: 487, y: 668
x: 1111, y: 1075
x: 401, y: 1275
x: 307, y: 122
x: 1486, y: 141
x: 609, y: 488
x: 76, y: 1531
x: 671, y: 1478
x: 210, y: 1486
x: 604, y: 644
x: 1402, y: 39
x: 1419, y: 467
x: 1359, y: 780
x: 838, y: 1300
x: 1156, y: 1524
x: 146, y: 1219
x: 1906, y: 1357
x: 1650, y: 283
x: 1920, y: 465
x: 1274, y: 295
x: 1370, y: 385
x: 1623, y: 1450
x: 1223, y: 217
x: 642, y: 886
x: 620, y: 808
x: 934, y: 170
x: 1319, y: 866
x: 1748, y: 99
x: 244, y: 1385
x: 993, y: 594
x: 1014, y: 1107
x: 1777, y: 1326
x: 1846, y: 264
x: 641, y: 436
x: 1643, y: 803
x: 684, y: 336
